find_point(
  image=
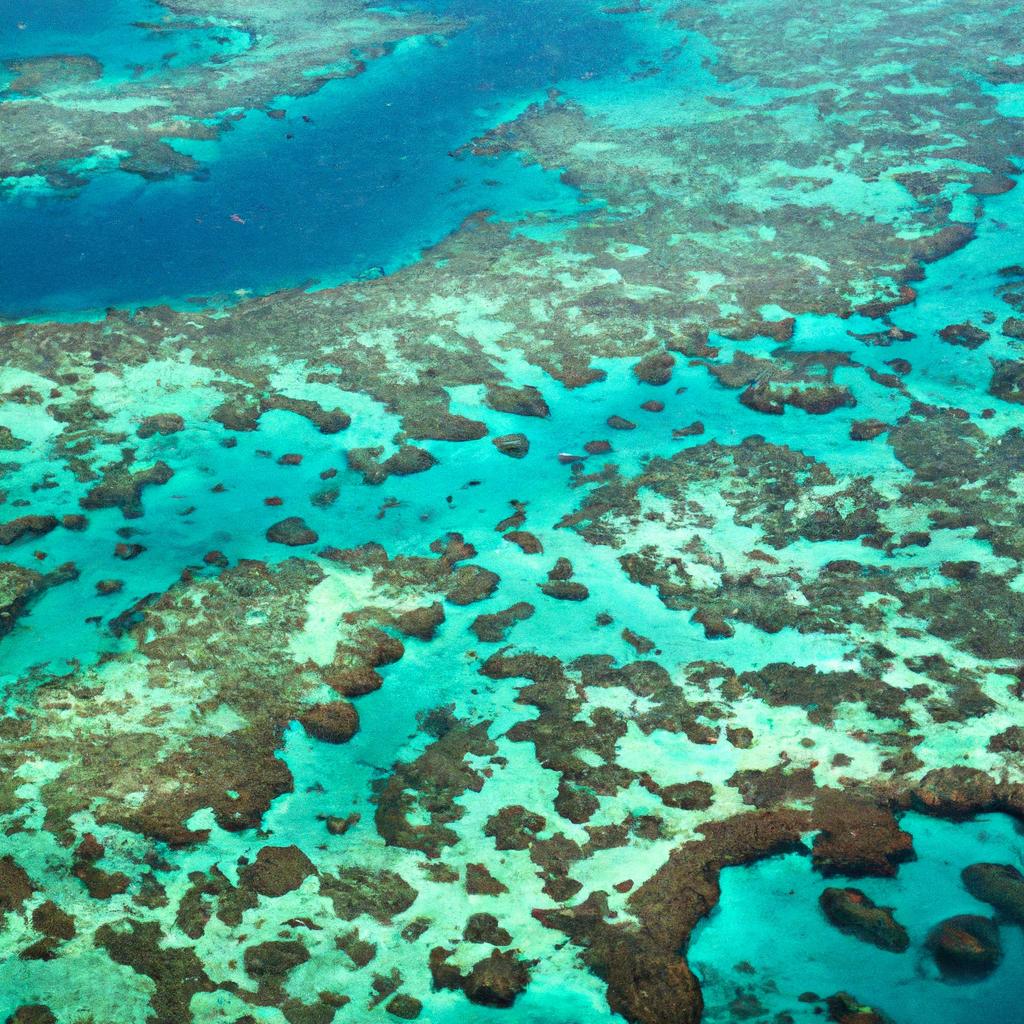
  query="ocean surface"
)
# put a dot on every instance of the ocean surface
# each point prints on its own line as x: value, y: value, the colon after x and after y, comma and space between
x: 504, y: 505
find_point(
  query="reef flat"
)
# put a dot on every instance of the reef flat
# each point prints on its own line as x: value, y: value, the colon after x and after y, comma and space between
x: 602, y: 604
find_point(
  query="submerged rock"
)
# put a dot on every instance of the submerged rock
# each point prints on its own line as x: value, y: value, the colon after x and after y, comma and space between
x: 514, y: 827
x: 176, y: 972
x: 740, y: 737
x: 694, y: 429
x: 560, y: 584
x: 271, y: 962
x: 327, y: 421
x: 408, y: 460
x: 480, y: 882
x: 524, y: 401
x: 126, y: 552
x: 422, y: 623
x: 1000, y: 885
x: 293, y: 532
x: 8, y: 441
x: 26, y: 526
x: 359, y: 890
x: 276, y: 870
x: 404, y: 1007
x: 338, y: 826
x: 493, y: 627
x: 845, y: 1009
x: 854, y: 913
x: 163, y: 423
x: 484, y: 928
x: 101, y: 885
x: 53, y: 922
x: 857, y: 838
x: 965, y: 947
x: 497, y: 980
x: 655, y: 368
x: 15, y: 885
x: 471, y: 584
x: 715, y: 625
x: 688, y: 796
x: 32, y: 1013
x: 1010, y: 741
x: 527, y: 542
x: 333, y: 722
x: 515, y: 446
x: 867, y: 430
x: 121, y: 488
x: 1007, y: 380
x: 967, y: 335
x: 494, y: 981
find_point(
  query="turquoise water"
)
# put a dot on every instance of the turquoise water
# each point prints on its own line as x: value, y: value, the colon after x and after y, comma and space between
x: 798, y: 952
x: 764, y: 547
x: 119, y: 35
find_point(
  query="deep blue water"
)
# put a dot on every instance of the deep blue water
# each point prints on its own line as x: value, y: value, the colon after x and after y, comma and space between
x: 364, y: 186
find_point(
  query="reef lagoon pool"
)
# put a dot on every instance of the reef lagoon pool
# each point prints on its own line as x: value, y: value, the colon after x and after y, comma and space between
x: 511, y: 512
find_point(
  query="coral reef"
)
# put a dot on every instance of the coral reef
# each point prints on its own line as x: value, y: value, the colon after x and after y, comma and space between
x: 441, y: 643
